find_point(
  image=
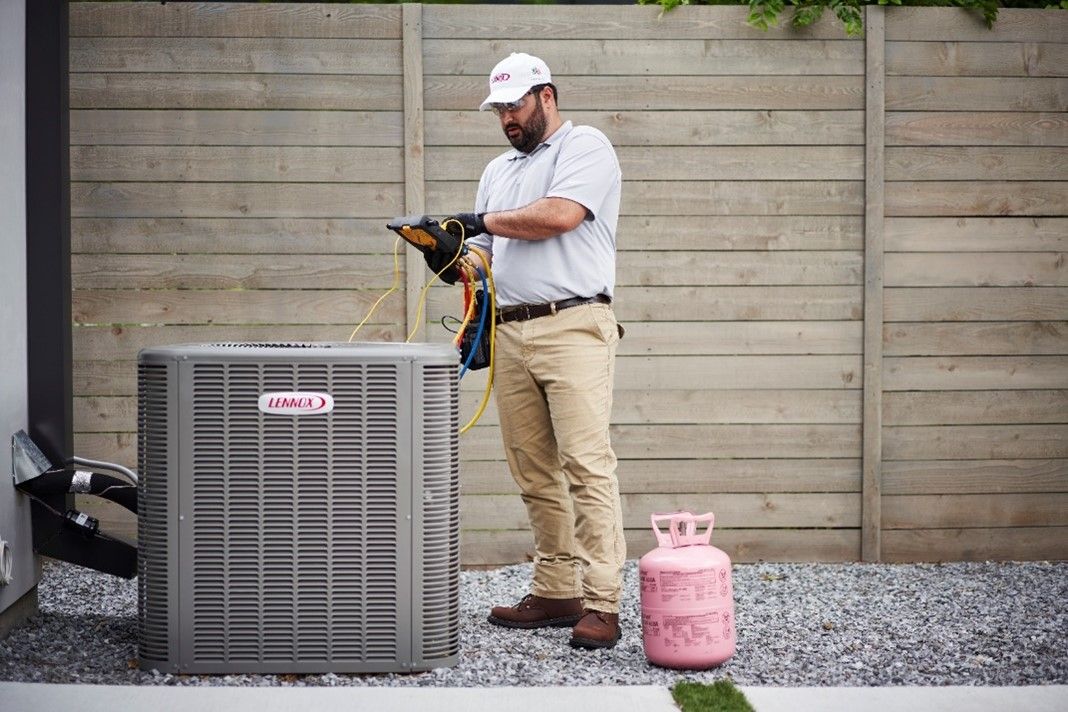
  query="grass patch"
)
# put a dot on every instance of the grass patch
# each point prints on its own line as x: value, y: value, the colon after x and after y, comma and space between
x: 720, y: 696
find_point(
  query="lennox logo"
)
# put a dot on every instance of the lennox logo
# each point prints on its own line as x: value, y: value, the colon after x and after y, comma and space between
x: 502, y: 77
x: 296, y: 403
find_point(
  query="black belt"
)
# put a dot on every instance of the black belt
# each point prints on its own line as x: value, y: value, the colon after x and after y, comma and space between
x: 523, y: 312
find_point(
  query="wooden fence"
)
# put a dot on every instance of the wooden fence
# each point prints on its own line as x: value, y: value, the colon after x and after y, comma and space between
x: 841, y: 261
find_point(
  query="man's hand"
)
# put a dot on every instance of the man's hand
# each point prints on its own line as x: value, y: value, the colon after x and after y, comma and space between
x: 472, y: 224
x: 437, y: 260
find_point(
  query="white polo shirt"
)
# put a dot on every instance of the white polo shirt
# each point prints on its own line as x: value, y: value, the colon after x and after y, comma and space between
x: 577, y: 163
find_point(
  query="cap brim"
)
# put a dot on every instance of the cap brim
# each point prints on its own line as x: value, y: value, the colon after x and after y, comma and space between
x: 503, y: 96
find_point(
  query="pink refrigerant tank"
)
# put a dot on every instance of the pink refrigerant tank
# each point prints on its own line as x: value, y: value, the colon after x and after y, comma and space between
x: 687, y: 598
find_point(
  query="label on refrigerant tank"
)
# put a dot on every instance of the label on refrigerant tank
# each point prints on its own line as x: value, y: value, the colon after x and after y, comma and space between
x: 688, y: 586
x: 702, y: 629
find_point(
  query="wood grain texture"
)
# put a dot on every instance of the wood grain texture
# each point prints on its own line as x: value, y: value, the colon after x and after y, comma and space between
x: 973, y: 544
x: 971, y: 128
x: 930, y: 24
x: 326, y: 92
x: 933, y: 234
x: 976, y: 338
x: 259, y: 55
x: 977, y: 59
x: 213, y: 19
x: 976, y: 304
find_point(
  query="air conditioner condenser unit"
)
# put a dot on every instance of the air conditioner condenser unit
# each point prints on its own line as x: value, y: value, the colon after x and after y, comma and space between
x: 299, y: 508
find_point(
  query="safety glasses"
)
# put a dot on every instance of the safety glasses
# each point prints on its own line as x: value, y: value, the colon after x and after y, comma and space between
x: 516, y: 105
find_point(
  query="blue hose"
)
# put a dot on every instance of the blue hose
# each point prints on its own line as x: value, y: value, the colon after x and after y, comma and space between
x: 481, y: 325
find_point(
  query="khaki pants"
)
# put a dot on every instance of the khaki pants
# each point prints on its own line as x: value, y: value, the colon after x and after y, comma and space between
x: 553, y: 382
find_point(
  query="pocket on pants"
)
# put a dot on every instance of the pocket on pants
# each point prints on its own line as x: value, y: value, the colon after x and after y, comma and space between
x: 605, y: 324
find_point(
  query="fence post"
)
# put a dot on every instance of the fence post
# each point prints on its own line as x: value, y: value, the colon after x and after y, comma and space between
x: 414, y: 169
x: 874, y: 124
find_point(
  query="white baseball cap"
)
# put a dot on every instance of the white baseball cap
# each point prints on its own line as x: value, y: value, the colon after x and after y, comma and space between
x: 513, y: 77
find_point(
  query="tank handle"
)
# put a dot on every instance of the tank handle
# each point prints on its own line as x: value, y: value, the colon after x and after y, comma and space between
x: 666, y: 538
x: 691, y: 536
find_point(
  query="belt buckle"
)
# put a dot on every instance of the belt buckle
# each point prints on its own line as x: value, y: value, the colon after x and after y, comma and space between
x: 552, y: 308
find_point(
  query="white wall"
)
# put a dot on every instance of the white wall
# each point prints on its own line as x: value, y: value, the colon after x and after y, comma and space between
x: 14, y: 508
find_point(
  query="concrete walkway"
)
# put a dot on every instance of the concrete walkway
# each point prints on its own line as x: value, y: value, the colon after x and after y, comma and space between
x: 31, y: 697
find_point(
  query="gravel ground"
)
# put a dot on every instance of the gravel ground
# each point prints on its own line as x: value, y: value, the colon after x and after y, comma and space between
x: 798, y: 624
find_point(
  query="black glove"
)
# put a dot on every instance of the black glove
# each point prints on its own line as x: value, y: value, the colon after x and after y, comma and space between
x: 436, y: 261
x: 472, y: 222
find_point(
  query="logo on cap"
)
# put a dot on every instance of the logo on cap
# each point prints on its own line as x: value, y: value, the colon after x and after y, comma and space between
x: 535, y: 70
x: 502, y: 77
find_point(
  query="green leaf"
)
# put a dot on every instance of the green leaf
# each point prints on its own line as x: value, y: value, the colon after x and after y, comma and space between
x: 805, y: 16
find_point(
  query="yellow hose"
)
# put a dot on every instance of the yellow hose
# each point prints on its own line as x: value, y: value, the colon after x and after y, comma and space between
x: 492, y: 316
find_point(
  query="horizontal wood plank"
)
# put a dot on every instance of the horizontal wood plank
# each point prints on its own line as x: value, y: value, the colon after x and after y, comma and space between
x: 256, y: 236
x: 977, y: 59
x: 740, y: 268
x: 739, y: 232
x: 319, y: 92
x: 966, y: 198
x: 929, y: 24
x: 946, y: 511
x: 469, y: 127
x: 1002, y: 163
x: 260, y: 164
x: 261, y: 55
x: 976, y: 338
x: 976, y: 304
x: 975, y: 407
x: 993, y: 269
x: 974, y: 372
x: 235, y: 128
x: 1000, y: 544
x: 236, y: 200
x: 970, y: 128
x: 107, y: 271
x: 232, y: 306
x: 976, y: 234
x: 214, y: 19
x: 742, y: 337
x: 974, y: 476
x: 978, y: 442
x: 976, y: 94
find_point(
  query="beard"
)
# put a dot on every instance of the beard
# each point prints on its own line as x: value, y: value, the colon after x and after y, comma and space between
x: 529, y: 135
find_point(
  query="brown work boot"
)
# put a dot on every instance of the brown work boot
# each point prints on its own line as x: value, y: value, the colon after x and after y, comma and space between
x: 597, y: 629
x: 537, y: 612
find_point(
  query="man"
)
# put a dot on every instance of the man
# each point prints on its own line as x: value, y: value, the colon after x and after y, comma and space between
x: 546, y: 215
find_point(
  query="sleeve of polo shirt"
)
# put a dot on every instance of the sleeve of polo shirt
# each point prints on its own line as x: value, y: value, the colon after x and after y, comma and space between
x: 586, y: 170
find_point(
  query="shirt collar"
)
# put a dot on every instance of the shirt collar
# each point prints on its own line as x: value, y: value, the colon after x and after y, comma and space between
x: 564, y: 129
